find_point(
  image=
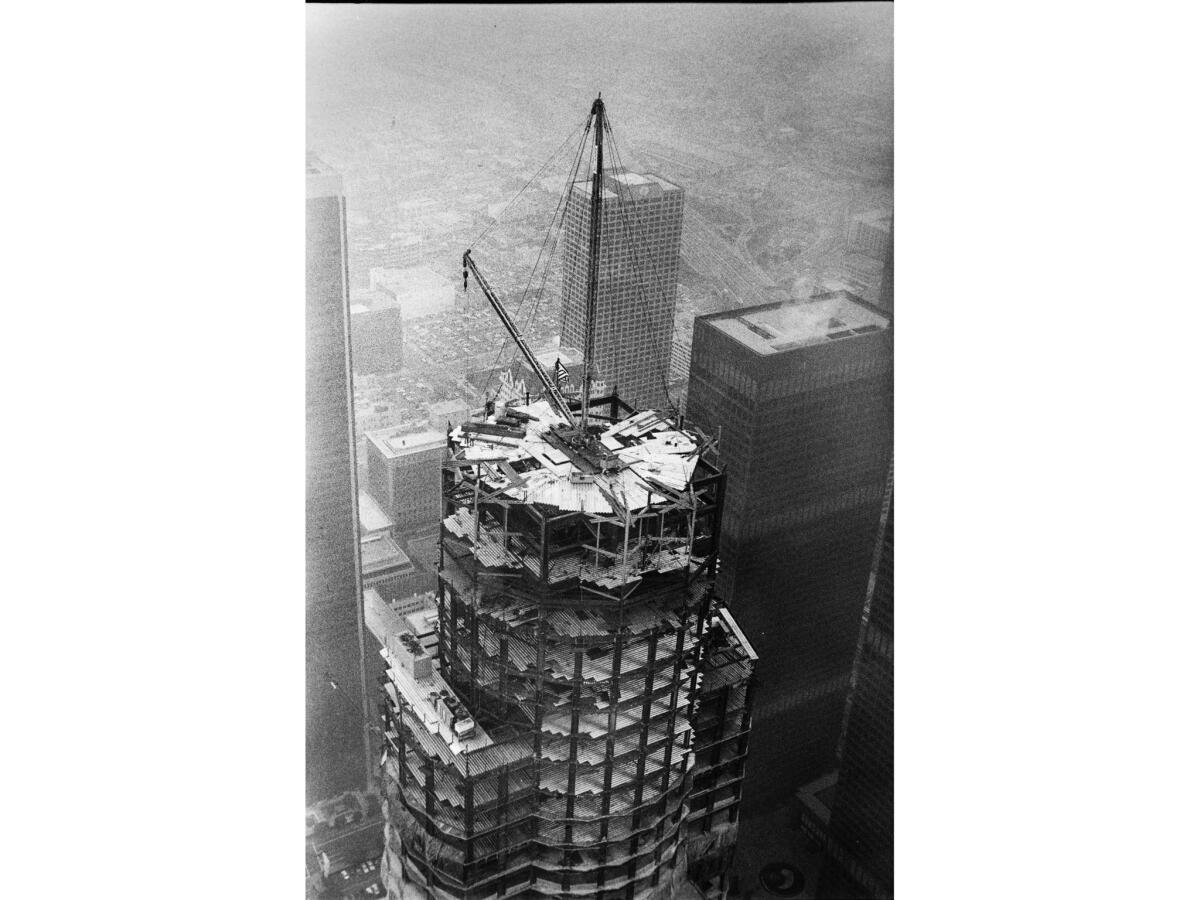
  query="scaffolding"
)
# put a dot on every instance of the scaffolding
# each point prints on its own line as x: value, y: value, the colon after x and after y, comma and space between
x: 582, y: 726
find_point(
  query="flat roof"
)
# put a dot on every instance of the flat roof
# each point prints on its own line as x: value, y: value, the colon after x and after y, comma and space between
x: 569, y: 356
x: 371, y: 516
x: 863, y: 261
x: 401, y: 441
x: 628, y: 180
x: 320, y: 179
x: 778, y: 327
x: 368, y: 300
x: 875, y: 217
x: 633, y: 179
x: 384, y: 622
x: 380, y: 551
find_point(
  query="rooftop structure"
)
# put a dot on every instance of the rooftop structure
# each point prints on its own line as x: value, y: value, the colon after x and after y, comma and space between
x: 364, y: 300
x: 382, y: 556
x: 371, y: 517
x: 399, y: 441
x: 778, y: 327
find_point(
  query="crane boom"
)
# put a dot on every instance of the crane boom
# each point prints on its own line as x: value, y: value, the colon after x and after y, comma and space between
x: 556, y: 398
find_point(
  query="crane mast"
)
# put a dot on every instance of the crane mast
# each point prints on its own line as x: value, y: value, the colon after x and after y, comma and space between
x: 589, y: 344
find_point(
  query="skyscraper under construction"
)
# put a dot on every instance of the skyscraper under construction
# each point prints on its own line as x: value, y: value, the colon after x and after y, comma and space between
x: 581, y: 727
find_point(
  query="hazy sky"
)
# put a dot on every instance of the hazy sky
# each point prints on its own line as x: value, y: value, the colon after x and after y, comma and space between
x: 541, y: 64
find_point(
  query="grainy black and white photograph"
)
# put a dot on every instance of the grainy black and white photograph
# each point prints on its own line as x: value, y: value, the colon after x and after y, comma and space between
x: 599, y: 451
x: 505, y: 507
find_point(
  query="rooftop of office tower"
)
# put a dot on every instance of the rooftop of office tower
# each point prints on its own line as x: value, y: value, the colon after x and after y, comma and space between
x: 320, y: 179
x: 782, y: 326
x: 402, y: 440
x: 630, y: 185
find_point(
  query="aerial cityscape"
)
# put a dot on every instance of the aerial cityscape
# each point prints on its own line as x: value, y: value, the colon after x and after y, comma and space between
x: 599, y: 440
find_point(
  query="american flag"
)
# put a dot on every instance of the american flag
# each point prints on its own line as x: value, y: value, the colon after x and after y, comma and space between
x: 561, y: 375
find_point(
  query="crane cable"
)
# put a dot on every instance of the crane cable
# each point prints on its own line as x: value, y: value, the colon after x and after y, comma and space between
x: 551, y: 230
x: 496, y: 220
x: 658, y: 279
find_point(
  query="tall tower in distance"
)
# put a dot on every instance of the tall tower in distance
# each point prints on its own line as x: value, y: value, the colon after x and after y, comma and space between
x: 859, y: 845
x: 801, y: 394
x: 336, y: 739
x: 641, y: 229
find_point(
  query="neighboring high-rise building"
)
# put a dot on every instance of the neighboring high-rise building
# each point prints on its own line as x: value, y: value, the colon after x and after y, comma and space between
x: 867, y: 264
x: 580, y: 728
x: 404, y: 474
x: 336, y: 719
x: 865, y: 273
x: 859, y: 841
x: 871, y: 233
x: 885, y: 285
x: 641, y: 227
x: 800, y: 393
x: 376, y: 332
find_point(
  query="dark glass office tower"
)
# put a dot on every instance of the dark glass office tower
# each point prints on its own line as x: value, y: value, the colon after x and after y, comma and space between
x: 333, y: 634
x: 859, y: 849
x: 800, y: 393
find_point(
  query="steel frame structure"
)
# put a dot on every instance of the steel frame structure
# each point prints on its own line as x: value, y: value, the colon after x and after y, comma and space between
x: 593, y: 653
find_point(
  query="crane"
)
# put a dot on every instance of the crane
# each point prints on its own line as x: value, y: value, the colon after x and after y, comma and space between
x: 556, y: 398
x: 596, y: 120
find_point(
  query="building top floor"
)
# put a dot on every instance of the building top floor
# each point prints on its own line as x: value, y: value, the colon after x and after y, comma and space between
x: 625, y: 185
x: 400, y: 441
x: 880, y: 218
x: 320, y: 180
x: 528, y: 453
x: 774, y: 328
x: 371, y: 517
x: 365, y: 300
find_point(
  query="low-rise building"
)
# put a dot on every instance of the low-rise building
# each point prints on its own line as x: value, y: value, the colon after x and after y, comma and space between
x: 404, y: 473
x: 385, y: 565
x: 418, y: 290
